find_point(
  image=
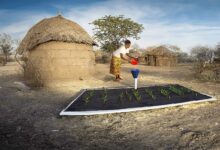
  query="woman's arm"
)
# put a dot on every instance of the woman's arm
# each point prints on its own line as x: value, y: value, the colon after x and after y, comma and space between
x: 125, y: 57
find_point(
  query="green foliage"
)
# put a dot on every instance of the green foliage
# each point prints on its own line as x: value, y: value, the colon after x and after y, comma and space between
x: 185, y: 90
x: 109, y: 31
x: 176, y: 90
x: 91, y: 93
x: 164, y: 92
x: 121, y: 96
x: 88, y: 97
x: 105, y: 96
x: 128, y: 95
x: 150, y: 93
x: 137, y: 95
x: 86, y: 100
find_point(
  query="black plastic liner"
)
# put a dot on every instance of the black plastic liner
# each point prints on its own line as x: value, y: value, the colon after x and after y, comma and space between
x: 111, y: 99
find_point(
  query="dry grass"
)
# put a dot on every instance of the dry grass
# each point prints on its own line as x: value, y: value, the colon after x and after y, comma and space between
x: 30, y: 120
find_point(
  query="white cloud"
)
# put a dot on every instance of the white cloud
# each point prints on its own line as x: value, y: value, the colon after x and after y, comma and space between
x: 157, y: 29
x: 183, y: 35
x: 19, y: 28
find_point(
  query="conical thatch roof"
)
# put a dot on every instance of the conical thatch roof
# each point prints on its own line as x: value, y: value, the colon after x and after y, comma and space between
x: 54, y: 29
x: 161, y: 51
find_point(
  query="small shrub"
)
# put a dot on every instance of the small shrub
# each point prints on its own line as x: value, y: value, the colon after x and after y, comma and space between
x: 150, y: 93
x: 137, y: 95
x: 102, y: 57
x: 2, y: 61
x: 104, y: 96
x: 208, y: 72
x: 128, y: 95
x: 176, y: 90
x: 165, y: 92
x: 198, y: 68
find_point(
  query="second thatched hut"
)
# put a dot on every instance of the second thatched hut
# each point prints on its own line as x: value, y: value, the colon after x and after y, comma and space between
x: 161, y: 56
x: 57, y: 49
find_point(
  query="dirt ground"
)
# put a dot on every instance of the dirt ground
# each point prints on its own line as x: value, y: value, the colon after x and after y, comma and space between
x: 30, y: 118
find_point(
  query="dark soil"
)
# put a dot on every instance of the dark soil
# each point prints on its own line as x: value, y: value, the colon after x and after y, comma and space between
x: 110, y: 99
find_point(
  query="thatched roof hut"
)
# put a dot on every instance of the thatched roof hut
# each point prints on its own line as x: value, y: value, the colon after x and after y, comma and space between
x: 161, y: 56
x: 57, y: 49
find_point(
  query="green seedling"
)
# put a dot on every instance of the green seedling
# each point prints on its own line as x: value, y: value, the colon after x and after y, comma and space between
x: 86, y: 99
x: 137, y: 95
x: 150, y: 93
x: 128, y: 95
x: 185, y: 90
x: 165, y: 92
x: 121, y: 97
x: 182, y: 91
x: 91, y: 94
x: 105, y: 96
x: 176, y: 91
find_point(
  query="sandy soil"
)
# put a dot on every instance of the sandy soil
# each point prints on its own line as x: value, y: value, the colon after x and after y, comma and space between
x: 30, y: 118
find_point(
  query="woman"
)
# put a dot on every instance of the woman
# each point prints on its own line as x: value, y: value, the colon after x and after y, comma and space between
x: 121, y: 53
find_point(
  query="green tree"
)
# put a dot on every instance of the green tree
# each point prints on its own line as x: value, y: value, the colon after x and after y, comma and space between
x: 6, y: 47
x: 110, y: 31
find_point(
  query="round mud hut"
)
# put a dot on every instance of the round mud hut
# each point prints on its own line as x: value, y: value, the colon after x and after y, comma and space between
x: 57, y: 49
x: 161, y: 56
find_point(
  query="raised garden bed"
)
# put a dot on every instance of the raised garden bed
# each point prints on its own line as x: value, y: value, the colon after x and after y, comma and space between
x: 103, y: 101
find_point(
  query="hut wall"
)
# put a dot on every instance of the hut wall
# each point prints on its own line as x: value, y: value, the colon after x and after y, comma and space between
x: 53, y: 61
x: 151, y: 60
x: 166, y: 61
x: 142, y: 60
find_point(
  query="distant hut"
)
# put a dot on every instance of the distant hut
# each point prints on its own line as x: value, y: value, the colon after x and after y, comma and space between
x: 57, y: 49
x: 161, y: 56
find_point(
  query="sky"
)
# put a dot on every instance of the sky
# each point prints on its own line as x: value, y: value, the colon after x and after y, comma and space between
x: 185, y: 23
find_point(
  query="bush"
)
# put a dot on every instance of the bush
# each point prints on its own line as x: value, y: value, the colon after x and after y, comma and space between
x: 198, y: 68
x: 183, y: 57
x: 2, y: 60
x: 102, y: 57
x: 208, y: 72
x: 204, y: 67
